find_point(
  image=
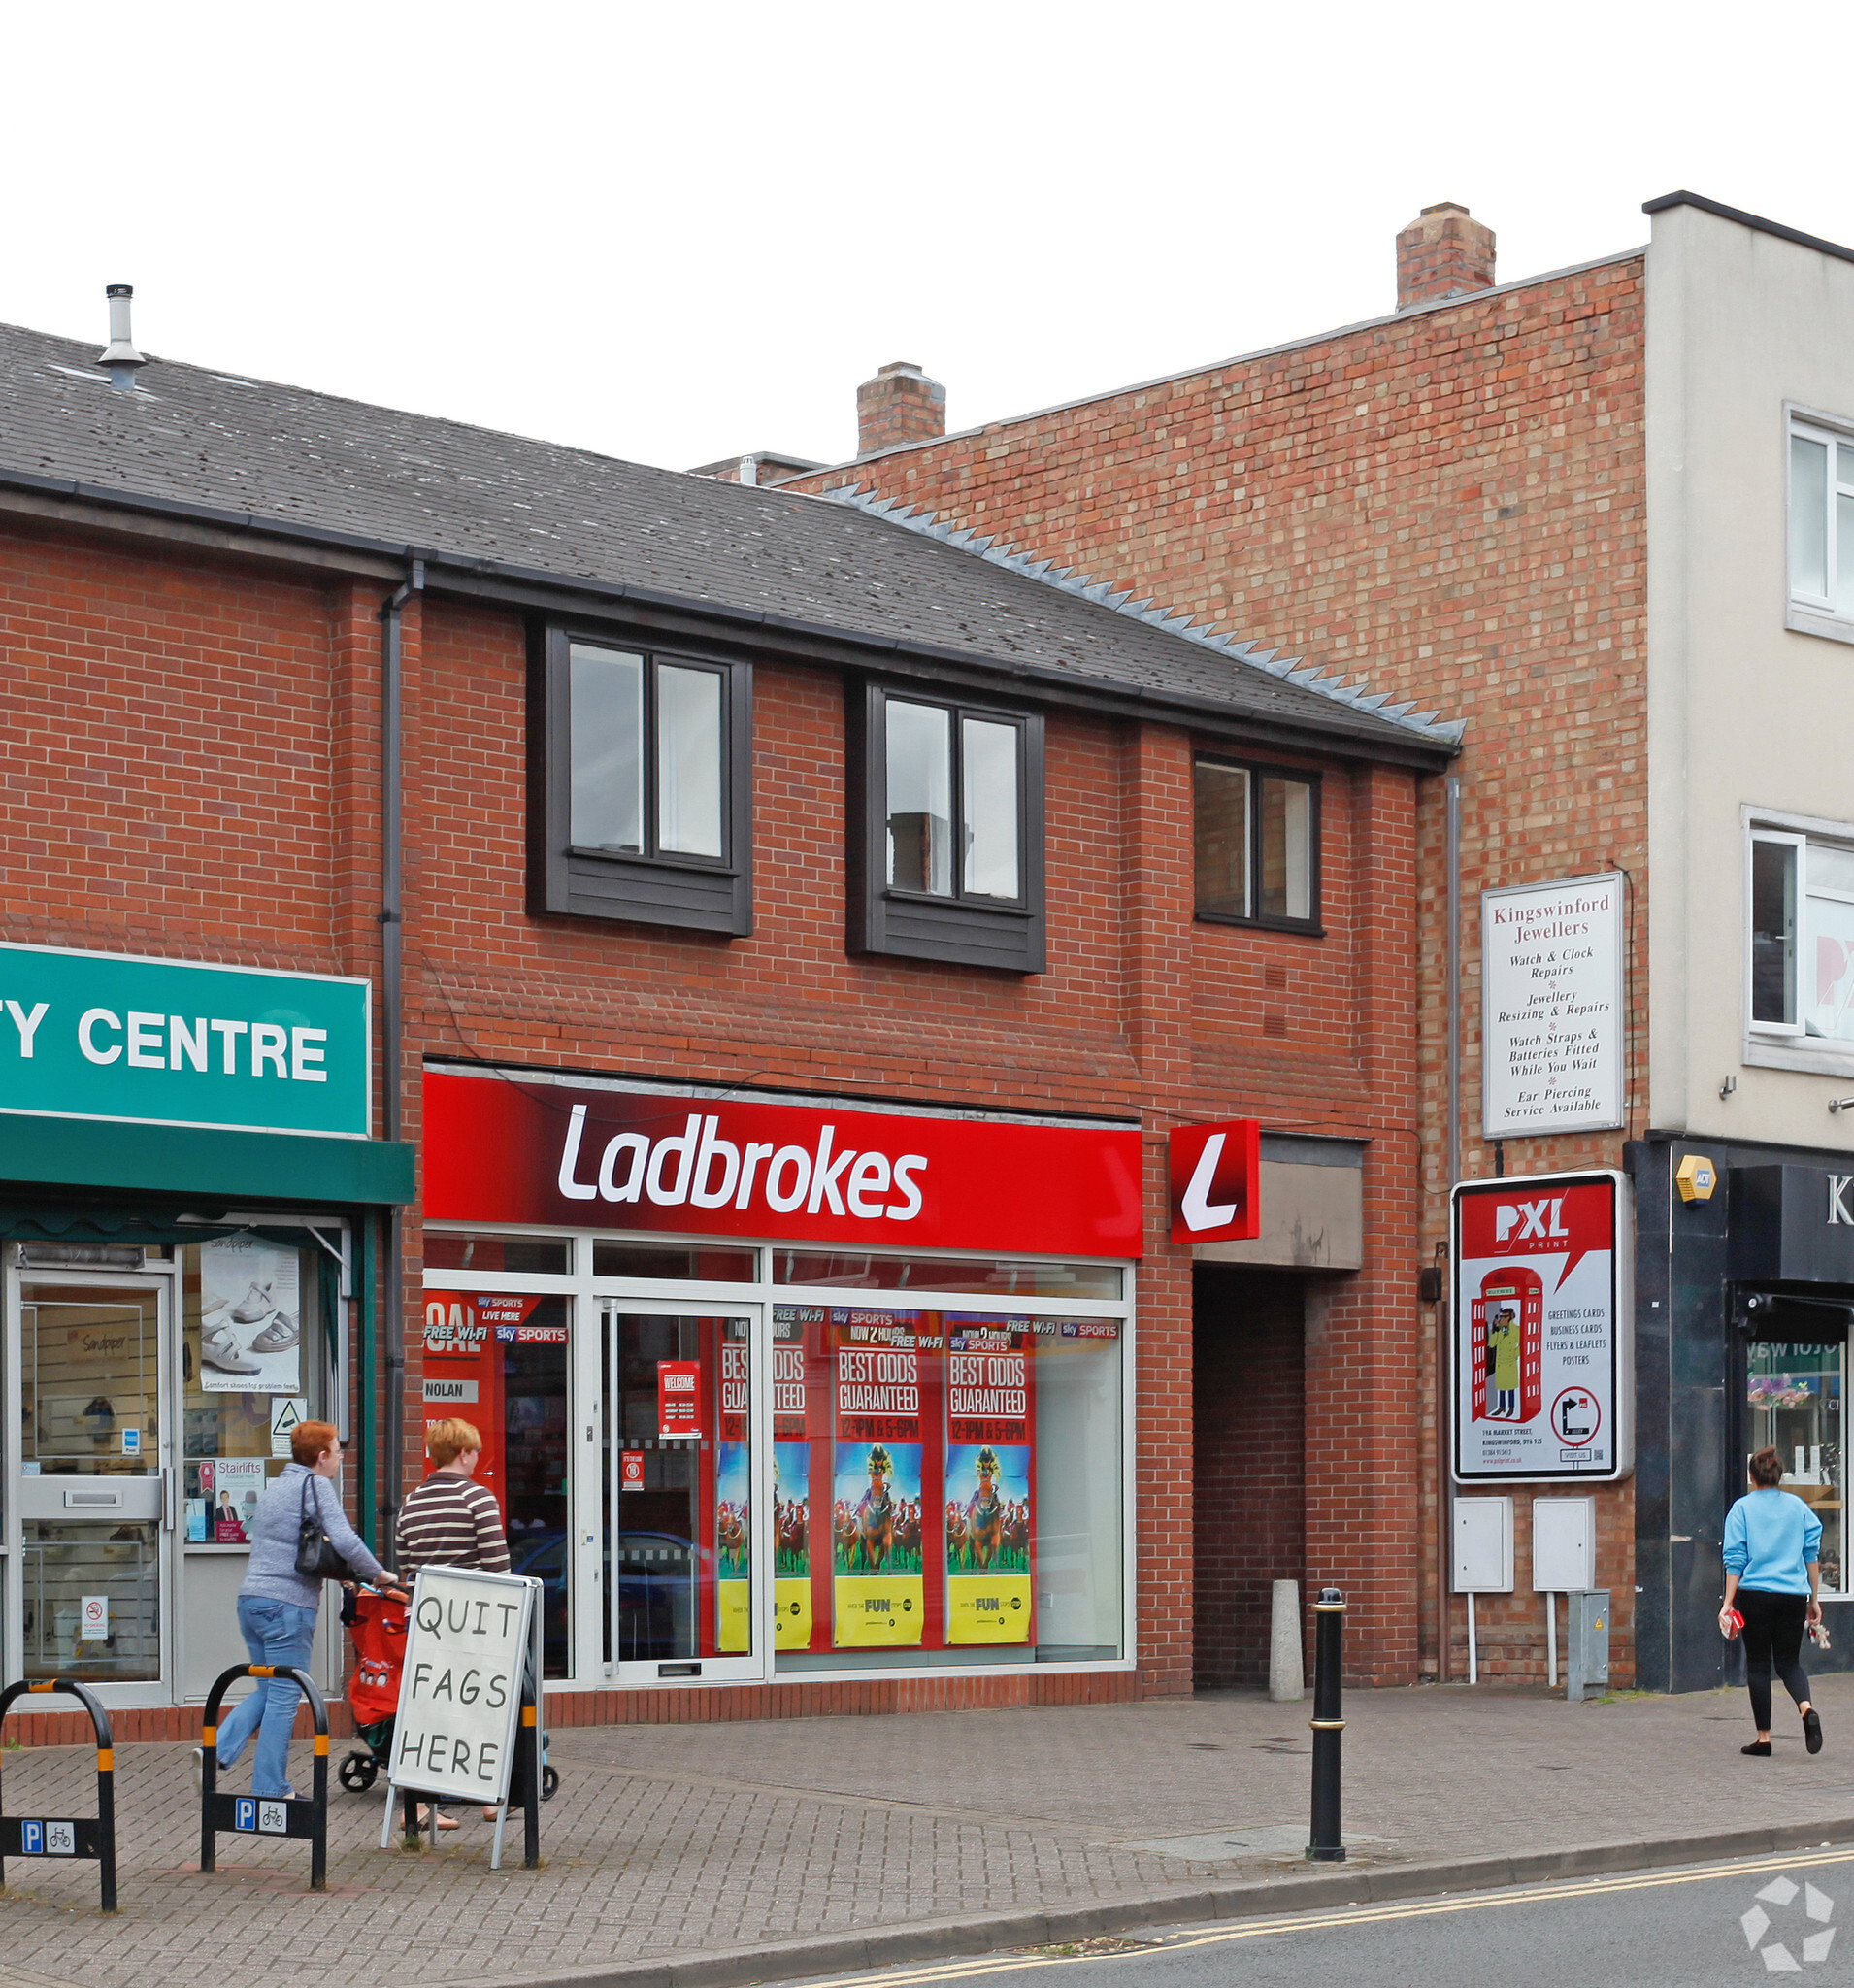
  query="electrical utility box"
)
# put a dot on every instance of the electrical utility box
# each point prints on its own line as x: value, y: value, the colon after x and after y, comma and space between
x: 1483, y: 1546
x: 1587, y: 1640
x: 1563, y: 1545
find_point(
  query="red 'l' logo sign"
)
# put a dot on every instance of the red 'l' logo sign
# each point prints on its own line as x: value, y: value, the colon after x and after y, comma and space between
x: 1216, y: 1181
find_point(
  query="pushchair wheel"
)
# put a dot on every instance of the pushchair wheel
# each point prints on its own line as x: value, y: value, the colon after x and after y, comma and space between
x: 358, y: 1773
x: 549, y: 1783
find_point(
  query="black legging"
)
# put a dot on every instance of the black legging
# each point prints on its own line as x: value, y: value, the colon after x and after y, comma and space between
x: 1773, y: 1630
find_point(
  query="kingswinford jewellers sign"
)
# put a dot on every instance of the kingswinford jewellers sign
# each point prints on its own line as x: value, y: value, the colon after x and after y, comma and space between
x: 499, y: 1149
x: 156, y: 1041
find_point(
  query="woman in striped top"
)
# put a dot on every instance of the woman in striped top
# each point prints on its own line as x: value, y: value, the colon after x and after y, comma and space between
x: 449, y: 1521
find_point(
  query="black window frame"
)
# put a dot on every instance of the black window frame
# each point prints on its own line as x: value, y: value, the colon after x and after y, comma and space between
x: 1259, y: 770
x: 652, y: 887
x: 961, y: 928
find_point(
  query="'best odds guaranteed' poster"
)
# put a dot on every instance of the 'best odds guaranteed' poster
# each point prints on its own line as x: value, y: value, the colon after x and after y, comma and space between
x: 732, y: 1512
x: 989, y: 1368
x: 879, y: 1597
x: 791, y: 1488
x: 1541, y: 1342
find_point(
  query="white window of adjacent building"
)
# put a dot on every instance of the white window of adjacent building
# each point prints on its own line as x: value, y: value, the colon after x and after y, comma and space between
x: 1822, y: 519
x: 1801, y: 962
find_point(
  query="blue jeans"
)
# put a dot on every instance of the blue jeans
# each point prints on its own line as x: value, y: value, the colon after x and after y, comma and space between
x: 275, y: 1633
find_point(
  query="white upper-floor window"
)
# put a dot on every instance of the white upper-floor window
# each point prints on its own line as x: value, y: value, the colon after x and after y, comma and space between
x: 1822, y: 518
x: 1802, y: 964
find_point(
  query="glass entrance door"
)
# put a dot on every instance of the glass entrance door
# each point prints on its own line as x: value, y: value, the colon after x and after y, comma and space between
x: 683, y: 1584
x: 92, y: 1497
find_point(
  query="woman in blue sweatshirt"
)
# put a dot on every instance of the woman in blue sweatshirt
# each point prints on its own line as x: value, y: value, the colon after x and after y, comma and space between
x: 1775, y: 1578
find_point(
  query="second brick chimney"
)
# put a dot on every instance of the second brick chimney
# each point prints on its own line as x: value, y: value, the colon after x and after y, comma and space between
x: 1444, y: 253
x: 899, y: 405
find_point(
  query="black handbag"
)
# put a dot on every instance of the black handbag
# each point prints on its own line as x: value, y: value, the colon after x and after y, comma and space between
x: 315, y: 1556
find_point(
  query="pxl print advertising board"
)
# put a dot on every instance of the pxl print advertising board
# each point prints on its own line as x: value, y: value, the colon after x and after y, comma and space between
x: 1552, y: 1007
x: 1543, y: 1358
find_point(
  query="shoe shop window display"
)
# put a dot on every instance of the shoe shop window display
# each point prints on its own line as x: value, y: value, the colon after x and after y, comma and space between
x: 244, y: 1375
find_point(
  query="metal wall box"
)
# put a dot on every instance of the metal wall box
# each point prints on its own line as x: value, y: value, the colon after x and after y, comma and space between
x: 1563, y: 1545
x: 1587, y: 1640
x: 1484, y: 1555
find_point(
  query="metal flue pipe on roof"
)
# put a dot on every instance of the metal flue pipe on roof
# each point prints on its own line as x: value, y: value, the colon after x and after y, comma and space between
x: 121, y: 356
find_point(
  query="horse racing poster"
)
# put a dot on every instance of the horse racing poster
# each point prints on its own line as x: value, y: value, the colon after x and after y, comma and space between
x: 989, y: 1416
x: 791, y: 1486
x: 878, y: 1596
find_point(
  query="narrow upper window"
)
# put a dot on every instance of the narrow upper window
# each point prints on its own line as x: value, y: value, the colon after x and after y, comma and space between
x: 948, y: 864
x: 955, y: 785
x: 1822, y: 519
x: 643, y: 793
x: 1257, y: 844
x: 1802, y: 964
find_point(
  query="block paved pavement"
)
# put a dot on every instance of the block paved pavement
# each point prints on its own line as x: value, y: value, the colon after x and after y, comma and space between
x: 685, y: 1839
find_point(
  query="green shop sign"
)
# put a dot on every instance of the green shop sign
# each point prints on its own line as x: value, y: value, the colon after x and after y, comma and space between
x: 156, y: 1041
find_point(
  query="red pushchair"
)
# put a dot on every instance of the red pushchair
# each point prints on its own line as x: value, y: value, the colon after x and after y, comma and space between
x: 377, y: 1626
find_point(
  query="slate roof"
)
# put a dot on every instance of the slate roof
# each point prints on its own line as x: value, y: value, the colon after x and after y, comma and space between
x: 270, y: 457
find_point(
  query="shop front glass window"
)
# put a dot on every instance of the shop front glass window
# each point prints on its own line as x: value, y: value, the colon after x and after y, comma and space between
x: 680, y: 1518
x: 947, y: 1487
x: 1794, y: 1393
x: 500, y: 1361
x: 248, y: 1356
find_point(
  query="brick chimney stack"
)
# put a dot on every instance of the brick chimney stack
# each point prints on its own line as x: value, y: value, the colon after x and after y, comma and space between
x: 1444, y: 253
x: 899, y: 405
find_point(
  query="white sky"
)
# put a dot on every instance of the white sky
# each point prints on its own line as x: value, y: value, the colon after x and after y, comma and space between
x: 678, y: 233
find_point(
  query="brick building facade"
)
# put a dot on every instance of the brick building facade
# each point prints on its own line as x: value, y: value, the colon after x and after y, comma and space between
x: 1455, y: 502
x: 203, y: 580
x: 1450, y: 505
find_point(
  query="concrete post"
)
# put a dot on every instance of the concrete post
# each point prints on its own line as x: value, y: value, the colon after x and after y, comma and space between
x: 1286, y: 1680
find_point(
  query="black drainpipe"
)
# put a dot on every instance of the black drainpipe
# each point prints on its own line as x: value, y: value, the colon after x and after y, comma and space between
x: 392, y: 1024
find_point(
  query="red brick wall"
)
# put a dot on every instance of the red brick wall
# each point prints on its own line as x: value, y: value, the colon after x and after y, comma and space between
x: 1248, y: 1494
x: 1451, y: 503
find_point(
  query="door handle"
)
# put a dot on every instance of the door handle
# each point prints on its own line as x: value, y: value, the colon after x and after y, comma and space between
x: 169, y: 1516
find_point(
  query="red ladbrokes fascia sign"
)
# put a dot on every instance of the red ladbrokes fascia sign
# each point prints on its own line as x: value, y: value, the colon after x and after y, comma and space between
x: 500, y: 1150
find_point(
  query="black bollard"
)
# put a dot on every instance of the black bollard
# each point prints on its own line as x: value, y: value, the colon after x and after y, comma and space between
x: 1329, y: 1619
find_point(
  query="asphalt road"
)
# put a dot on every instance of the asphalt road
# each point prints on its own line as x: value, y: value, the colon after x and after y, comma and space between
x: 1705, y: 1926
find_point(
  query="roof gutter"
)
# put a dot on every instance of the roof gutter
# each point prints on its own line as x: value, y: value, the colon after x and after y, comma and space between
x: 1427, y: 755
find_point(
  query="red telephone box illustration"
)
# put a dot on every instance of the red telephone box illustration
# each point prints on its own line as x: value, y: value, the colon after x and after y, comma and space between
x: 1505, y: 1335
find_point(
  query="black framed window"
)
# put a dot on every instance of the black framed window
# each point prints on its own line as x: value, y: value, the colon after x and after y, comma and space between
x: 1258, y: 844
x: 948, y: 831
x: 643, y: 785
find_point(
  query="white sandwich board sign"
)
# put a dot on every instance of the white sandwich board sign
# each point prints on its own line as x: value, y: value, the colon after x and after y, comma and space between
x: 469, y: 1638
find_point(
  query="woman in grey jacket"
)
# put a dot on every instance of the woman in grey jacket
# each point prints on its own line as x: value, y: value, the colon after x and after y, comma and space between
x: 276, y: 1607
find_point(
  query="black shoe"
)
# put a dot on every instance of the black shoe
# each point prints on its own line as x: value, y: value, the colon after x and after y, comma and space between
x: 1812, y: 1730
x: 1760, y: 1747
